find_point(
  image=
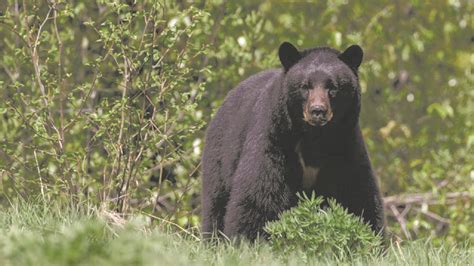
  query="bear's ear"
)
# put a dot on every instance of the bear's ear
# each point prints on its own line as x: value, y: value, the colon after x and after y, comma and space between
x: 289, y: 55
x: 352, y: 56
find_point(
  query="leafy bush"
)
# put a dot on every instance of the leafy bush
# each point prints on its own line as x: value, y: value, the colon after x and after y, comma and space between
x: 317, y: 231
x: 100, y: 101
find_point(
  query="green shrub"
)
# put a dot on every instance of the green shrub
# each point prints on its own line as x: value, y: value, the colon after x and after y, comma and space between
x: 316, y: 231
x: 102, y: 102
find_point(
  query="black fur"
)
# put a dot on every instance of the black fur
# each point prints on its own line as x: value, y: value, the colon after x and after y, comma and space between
x: 251, y: 167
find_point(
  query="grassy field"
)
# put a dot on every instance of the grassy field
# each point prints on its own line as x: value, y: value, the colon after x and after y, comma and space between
x: 45, y: 234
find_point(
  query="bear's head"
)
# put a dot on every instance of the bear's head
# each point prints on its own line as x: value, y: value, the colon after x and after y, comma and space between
x: 322, y: 84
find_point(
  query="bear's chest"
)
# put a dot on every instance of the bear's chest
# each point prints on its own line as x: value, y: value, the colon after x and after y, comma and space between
x: 309, y: 173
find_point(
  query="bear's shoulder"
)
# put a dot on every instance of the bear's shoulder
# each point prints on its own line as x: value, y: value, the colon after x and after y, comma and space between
x: 259, y: 80
x: 247, y: 92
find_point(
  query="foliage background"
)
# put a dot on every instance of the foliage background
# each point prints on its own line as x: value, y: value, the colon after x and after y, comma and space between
x: 106, y: 102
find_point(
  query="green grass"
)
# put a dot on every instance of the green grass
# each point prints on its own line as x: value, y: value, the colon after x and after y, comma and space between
x: 45, y: 234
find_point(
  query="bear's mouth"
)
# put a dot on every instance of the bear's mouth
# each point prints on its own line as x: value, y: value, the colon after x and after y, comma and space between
x: 317, y: 121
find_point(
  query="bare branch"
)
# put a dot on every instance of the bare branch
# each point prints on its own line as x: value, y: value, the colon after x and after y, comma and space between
x: 427, y: 198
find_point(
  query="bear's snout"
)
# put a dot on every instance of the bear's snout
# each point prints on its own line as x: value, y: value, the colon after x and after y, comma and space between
x: 317, y: 111
x: 318, y: 115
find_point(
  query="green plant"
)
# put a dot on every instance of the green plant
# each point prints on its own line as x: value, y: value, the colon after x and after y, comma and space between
x: 322, y: 231
x: 100, y: 100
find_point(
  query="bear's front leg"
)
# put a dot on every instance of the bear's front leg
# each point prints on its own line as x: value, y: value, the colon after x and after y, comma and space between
x: 256, y: 201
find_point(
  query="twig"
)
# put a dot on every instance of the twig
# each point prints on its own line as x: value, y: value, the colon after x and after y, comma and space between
x: 393, y: 203
x: 433, y: 216
x: 39, y: 175
x: 171, y: 223
x: 401, y: 220
x: 35, y: 57
x: 428, y: 198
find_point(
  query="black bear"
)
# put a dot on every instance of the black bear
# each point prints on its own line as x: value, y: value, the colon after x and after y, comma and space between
x: 288, y: 130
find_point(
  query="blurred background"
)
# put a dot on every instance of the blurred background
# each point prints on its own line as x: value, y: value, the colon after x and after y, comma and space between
x: 106, y: 102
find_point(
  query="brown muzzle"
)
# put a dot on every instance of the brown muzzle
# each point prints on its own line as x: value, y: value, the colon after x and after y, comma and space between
x: 317, y: 109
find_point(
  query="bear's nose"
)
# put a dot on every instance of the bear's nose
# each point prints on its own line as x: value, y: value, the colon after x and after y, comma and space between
x: 318, y: 111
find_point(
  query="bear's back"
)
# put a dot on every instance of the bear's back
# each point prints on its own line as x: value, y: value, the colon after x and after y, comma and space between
x: 243, y: 98
x: 238, y: 108
x: 229, y: 128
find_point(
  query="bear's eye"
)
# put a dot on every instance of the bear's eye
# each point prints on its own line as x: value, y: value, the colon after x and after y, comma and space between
x: 304, y: 86
x: 332, y: 92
